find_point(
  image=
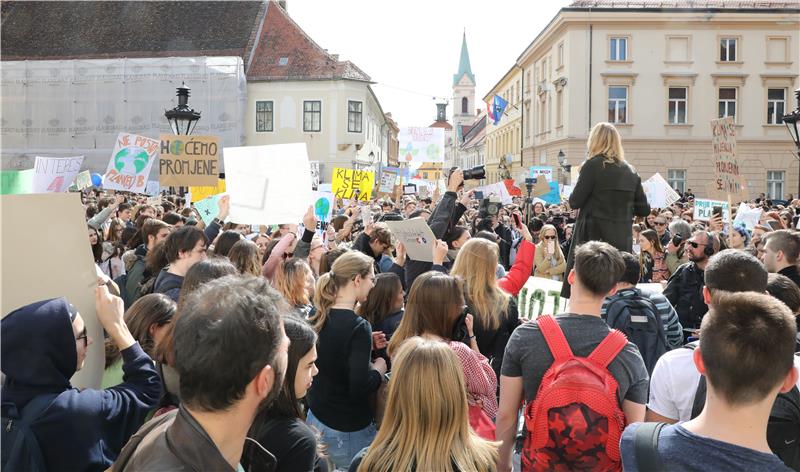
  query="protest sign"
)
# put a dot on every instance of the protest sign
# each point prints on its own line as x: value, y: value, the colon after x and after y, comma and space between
x: 199, y: 193
x: 409, y: 189
x: 83, y: 180
x: 130, y: 163
x: 389, y: 176
x: 498, y: 190
x: 71, y: 269
x: 16, y: 181
x: 347, y: 181
x: 314, y: 174
x: 747, y: 217
x: 154, y: 200
x: 55, y: 174
x: 726, y: 166
x: 208, y: 208
x: 188, y: 160
x: 566, y: 191
x: 416, y: 236
x: 421, y: 144
x: 153, y: 188
x: 659, y: 193
x: 268, y: 184
x: 541, y: 187
x: 513, y: 190
x: 540, y: 296
x: 553, y: 197
x: 323, y: 209
x: 547, y: 172
x: 703, y: 209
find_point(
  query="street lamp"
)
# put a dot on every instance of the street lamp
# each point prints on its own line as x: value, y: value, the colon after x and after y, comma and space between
x: 562, y: 163
x: 791, y: 121
x: 182, y: 119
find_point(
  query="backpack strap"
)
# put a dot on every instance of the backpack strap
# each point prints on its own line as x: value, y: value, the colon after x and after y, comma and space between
x: 554, y: 337
x: 699, y: 397
x: 645, y: 447
x: 30, y: 413
x: 607, y: 350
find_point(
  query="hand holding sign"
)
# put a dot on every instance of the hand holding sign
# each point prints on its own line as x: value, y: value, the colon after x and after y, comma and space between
x: 224, y: 205
x: 439, y: 252
x: 309, y: 220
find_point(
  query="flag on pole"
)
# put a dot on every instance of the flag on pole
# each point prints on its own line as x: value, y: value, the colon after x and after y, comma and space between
x: 496, y: 109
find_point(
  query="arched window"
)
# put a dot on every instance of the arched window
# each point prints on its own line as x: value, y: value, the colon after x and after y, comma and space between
x: 464, y: 105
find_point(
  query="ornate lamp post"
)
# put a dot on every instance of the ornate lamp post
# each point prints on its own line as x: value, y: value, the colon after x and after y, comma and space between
x: 182, y: 119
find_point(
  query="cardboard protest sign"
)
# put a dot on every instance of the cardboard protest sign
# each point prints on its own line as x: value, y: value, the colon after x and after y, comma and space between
x: 314, y: 174
x: 347, y: 181
x: 130, y: 163
x: 71, y: 272
x: 659, y: 193
x: 199, y: 193
x: 16, y: 181
x: 208, y: 208
x: 540, y: 296
x: 541, y: 187
x: 703, y: 209
x: 747, y: 217
x: 188, y: 160
x: 268, y: 184
x: 55, y: 174
x: 83, y: 180
x: 323, y: 209
x: 547, y: 172
x: 389, y: 176
x: 421, y: 144
x: 416, y: 236
x: 553, y: 197
x: 726, y: 166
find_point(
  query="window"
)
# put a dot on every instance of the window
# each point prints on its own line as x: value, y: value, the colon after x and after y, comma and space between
x: 775, y: 180
x: 727, y: 49
x: 727, y: 102
x: 464, y: 105
x: 619, y: 49
x: 560, y: 108
x: 312, y: 116
x: 354, y: 116
x: 776, y: 104
x: 560, y: 55
x: 676, y: 178
x: 264, y: 117
x: 618, y: 104
x: 677, y: 105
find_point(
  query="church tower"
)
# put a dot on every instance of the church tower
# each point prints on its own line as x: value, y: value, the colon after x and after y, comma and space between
x: 463, y: 93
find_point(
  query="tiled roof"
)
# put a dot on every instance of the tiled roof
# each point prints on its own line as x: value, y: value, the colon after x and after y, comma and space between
x: 285, y: 52
x: 91, y: 30
x: 689, y: 4
x: 441, y: 124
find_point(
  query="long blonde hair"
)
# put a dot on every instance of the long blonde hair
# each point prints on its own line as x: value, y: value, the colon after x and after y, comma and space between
x: 604, y: 140
x: 476, y: 264
x: 344, y: 270
x: 542, y: 241
x: 426, y: 424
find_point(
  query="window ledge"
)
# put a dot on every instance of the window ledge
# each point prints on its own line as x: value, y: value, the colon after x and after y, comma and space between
x: 779, y: 125
x: 729, y: 63
x: 778, y: 63
x: 679, y: 63
x: 679, y: 125
x: 621, y: 124
x: 609, y: 61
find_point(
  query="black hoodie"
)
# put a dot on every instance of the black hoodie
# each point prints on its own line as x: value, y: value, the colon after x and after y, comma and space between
x: 82, y: 429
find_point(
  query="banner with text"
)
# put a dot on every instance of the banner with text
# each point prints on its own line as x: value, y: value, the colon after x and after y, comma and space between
x: 352, y: 184
x: 416, y: 236
x: 726, y: 166
x: 542, y: 170
x: 421, y: 144
x: 55, y: 174
x: 83, y: 180
x: 130, y: 163
x: 389, y: 178
x: 323, y: 210
x: 659, y: 193
x: 188, y: 160
x: 704, y: 209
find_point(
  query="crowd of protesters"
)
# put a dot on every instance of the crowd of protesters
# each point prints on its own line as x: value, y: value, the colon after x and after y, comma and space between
x: 233, y: 346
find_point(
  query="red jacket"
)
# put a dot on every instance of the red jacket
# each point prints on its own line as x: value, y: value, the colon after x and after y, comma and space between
x: 515, y: 279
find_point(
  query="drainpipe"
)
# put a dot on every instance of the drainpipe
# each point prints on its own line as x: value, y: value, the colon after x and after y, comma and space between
x: 591, y: 36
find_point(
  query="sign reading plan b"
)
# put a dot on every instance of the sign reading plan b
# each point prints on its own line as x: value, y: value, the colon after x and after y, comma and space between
x: 130, y: 163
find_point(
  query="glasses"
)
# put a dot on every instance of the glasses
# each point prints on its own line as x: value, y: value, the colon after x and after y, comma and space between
x: 695, y: 244
x: 659, y: 223
x: 549, y: 237
x: 85, y: 336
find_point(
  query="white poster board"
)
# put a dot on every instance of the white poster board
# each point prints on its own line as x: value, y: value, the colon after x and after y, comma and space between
x: 747, y: 217
x: 55, y: 174
x: 130, y: 163
x: 540, y: 296
x: 323, y: 209
x: 703, y: 209
x: 314, y: 174
x: 497, y: 189
x: 417, y: 237
x: 421, y: 144
x: 659, y: 193
x: 268, y: 184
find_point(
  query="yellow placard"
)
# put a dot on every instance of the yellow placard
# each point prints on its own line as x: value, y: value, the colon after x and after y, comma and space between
x: 347, y: 181
x: 199, y: 193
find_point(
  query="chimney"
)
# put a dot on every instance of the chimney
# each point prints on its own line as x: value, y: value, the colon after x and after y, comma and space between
x: 282, y: 4
x: 441, y: 112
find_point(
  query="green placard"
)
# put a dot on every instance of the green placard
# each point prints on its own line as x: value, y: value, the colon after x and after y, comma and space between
x: 16, y: 181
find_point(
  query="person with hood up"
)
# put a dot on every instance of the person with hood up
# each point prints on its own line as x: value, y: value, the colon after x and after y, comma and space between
x: 43, y: 345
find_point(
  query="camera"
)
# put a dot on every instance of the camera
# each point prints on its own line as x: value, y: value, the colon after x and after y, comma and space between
x: 476, y: 173
x: 489, y: 207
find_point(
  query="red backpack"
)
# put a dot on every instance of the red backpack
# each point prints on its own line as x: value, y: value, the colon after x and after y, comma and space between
x: 575, y: 421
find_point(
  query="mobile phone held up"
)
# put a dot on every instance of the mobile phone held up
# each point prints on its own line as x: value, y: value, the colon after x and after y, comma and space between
x: 517, y: 220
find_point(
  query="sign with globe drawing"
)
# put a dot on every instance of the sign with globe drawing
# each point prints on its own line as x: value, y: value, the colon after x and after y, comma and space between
x: 130, y: 163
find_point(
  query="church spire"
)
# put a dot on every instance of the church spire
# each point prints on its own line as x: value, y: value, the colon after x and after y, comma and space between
x: 463, y: 63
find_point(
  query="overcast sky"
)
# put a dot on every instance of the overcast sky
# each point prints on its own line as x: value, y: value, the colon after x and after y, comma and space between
x: 411, y: 47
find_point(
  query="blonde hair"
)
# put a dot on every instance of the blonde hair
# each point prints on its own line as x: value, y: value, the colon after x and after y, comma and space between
x: 542, y: 232
x: 426, y: 424
x: 476, y: 264
x: 344, y: 270
x: 604, y: 140
x: 290, y: 281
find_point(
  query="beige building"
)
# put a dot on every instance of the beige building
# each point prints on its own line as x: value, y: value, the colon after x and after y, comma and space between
x: 661, y: 71
x: 298, y: 92
x: 503, y: 140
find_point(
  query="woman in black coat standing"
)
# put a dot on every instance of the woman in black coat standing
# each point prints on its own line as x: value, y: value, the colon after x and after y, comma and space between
x: 608, y: 193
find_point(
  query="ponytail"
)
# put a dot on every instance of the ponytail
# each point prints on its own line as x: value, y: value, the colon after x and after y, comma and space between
x: 324, y: 298
x: 344, y: 271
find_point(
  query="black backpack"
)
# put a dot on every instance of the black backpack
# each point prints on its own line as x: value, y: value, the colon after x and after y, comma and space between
x: 20, y: 448
x: 638, y: 318
x: 783, y: 428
